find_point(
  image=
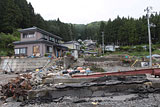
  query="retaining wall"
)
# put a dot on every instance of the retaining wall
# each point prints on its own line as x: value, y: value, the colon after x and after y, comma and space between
x: 22, y: 64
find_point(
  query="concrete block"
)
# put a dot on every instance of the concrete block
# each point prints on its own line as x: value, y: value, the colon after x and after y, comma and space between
x: 98, y: 93
x: 48, y: 80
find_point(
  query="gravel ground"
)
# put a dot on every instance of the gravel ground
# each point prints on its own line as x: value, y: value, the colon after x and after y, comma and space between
x: 4, y: 78
x: 142, y: 100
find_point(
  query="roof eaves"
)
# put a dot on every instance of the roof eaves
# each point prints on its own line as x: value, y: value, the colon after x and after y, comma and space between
x: 48, y: 33
x: 41, y: 30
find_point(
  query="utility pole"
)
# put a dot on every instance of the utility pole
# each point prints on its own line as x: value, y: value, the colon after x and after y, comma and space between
x: 148, y: 9
x: 103, y: 42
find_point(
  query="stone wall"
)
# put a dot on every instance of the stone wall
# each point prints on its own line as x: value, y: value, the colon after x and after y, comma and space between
x: 25, y: 64
x: 22, y: 64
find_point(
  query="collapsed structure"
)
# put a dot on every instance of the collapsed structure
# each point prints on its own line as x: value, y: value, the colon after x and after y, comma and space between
x: 78, y: 84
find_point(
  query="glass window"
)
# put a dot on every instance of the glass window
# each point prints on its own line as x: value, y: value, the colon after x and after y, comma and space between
x: 23, y: 50
x: 24, y: 35
x: 53, y: 39
x: 50, y: 38
x: 45, y: 37
x: 28, y: 35
x: 16, y: 51
x: 49, y: 49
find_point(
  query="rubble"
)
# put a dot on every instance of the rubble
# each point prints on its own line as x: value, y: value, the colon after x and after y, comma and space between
x: 53, y: 84
x: 17, y: 88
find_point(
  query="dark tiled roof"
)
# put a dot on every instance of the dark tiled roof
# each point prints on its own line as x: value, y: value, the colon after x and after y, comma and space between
x: 39, y: 30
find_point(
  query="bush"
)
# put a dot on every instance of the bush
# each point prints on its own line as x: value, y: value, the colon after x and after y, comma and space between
x: 3, y: 53
x: 139, y: 48
x: 153, y: 48
x: 10, y: 53
x: 68, y: 54
x: 125, y: 48
x: 46, y: 55
x: 6, y: 45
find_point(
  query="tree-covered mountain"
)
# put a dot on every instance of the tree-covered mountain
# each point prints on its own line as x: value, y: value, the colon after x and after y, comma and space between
x: 17, y: 14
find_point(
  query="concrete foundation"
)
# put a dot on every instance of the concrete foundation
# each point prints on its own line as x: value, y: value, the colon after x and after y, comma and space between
x: 94, y: 87
x: 66, y: 80
x: 82, y: 92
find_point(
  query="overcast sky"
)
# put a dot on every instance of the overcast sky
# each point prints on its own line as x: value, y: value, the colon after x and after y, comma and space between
x: 86, y: 11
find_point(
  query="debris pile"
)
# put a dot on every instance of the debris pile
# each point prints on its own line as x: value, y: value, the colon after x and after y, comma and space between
x: 17, y: 88
x: 77, y: 70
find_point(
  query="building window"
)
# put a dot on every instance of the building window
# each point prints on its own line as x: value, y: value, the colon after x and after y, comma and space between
x: 20, y: 51
x: 51, y: 39
x: 28, y: 35
x: 23, y: 51
x: 56, y: 40
x: 49, y: 49
x: 45, y: 37
x: 16, y: 51
x: 31, y: 36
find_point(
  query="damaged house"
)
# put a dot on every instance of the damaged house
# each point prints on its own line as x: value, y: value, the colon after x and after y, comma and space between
x: 37, y: 42
x: 74, y: 47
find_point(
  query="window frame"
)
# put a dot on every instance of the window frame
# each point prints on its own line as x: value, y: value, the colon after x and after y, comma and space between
x: 29, y: 35
x: 17, y: 52
x: 20, y: 51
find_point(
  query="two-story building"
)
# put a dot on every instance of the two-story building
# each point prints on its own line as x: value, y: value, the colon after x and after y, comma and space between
x: 37, y: 42
x: 74, y: 47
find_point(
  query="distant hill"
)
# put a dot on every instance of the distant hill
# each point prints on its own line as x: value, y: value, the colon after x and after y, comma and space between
x: 19, y: 14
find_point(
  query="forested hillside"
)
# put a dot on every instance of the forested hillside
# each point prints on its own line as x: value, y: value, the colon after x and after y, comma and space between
x: 19, y: 14
x: 129, y: 31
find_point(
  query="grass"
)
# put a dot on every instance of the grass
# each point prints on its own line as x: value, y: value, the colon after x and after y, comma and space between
x: 138, y: 50
x: 156, y: 51
x: 135, y: 53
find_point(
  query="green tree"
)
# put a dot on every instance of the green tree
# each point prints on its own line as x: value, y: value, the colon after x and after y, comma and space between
x: 10, y: 17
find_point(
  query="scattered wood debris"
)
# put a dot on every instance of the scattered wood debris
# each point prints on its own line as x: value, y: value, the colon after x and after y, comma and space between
x: 17, y: 88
